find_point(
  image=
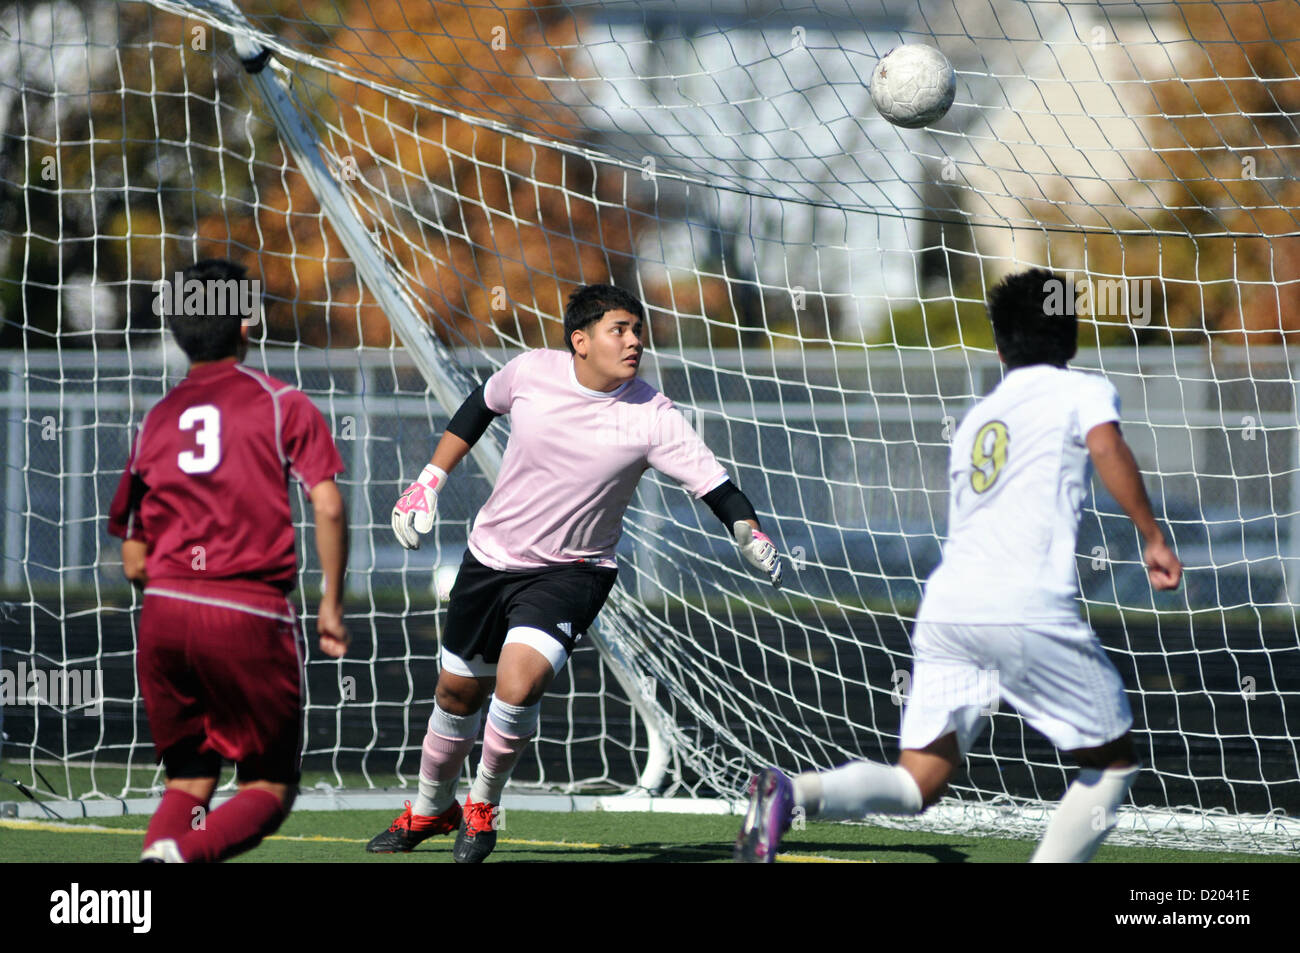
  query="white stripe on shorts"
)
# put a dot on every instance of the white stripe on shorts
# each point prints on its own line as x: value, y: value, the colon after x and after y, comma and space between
x: 220, y: 603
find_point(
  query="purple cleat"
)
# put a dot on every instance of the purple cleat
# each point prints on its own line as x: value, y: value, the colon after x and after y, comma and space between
x: 771, y: 803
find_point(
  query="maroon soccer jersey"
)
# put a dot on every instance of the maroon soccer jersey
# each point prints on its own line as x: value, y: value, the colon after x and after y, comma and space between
x: 207, y: 483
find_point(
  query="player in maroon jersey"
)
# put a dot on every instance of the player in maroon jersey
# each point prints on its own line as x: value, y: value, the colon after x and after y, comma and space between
x: 203, y: 510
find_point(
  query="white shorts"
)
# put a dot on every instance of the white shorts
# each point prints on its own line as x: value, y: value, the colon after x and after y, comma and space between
x: 1056, y: 674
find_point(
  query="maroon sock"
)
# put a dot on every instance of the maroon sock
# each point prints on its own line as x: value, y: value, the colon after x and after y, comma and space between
x: 236, y: 826
x: 174, y: 817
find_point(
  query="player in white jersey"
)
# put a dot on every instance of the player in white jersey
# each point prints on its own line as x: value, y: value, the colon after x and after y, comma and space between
x: 540, y: 562
x: 999, y: 617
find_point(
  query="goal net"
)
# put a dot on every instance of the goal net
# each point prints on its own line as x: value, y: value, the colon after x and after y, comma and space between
x: 420, y: 184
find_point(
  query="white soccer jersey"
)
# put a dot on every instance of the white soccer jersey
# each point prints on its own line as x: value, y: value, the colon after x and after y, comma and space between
x: 1017, y: 479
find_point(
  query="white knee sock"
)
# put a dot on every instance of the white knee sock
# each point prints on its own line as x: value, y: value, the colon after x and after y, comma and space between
x: 857, y: 789
x: 1085, y: 816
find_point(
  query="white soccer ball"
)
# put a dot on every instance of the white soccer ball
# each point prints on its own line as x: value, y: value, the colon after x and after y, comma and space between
x: 913, y: 85
x: 444, y: 578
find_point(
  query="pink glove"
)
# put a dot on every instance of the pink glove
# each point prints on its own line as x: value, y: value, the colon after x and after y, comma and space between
x: 413, y: 514
x: 758, y: 550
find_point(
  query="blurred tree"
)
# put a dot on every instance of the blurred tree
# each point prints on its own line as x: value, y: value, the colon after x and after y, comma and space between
x: 1223, y: 162
x: 95, y: 188
x: 162, y: 158
x: 488, y: 228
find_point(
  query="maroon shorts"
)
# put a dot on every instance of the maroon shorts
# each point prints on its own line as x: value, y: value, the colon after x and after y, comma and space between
x: 221, y: 670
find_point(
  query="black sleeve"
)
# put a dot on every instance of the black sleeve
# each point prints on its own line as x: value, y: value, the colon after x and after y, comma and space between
x: 729, y: 504
x: 473, y: 418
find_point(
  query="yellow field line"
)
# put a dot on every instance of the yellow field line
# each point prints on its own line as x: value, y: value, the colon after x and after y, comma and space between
x: 60, y: 828
x: 55, y: 827
x: 817, y: 859
x: 64, y: 828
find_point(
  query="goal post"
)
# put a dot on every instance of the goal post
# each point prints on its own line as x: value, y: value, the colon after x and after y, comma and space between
x: 420, y: 184
x: 430, y: 356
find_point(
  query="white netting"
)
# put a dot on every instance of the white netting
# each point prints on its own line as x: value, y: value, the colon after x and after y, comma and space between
x: 815, y: 280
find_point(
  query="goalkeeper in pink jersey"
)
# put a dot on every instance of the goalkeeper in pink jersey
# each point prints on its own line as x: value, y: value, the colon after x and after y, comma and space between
x: 540, y: 562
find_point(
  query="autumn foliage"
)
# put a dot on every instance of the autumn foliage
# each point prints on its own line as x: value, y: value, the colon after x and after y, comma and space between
x: 1223, y: 159
x: 488, y: 227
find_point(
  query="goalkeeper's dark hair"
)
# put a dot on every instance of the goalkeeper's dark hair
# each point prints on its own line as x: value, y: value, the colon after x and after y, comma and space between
x: 590, y: 303
x: 209, y: 337
x: 1033, y: 319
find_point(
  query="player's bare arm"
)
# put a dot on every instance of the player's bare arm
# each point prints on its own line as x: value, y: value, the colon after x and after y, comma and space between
x: 134, y: 554
x: 332, y: 546
x: 1119, y: 473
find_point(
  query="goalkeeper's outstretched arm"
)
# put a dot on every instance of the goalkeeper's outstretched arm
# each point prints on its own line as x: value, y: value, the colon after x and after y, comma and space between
x: 735, y: 511
x: 413, y: 515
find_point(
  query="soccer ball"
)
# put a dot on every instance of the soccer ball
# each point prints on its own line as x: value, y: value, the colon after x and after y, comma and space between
x: 444, y: 578
x: 913, y: 85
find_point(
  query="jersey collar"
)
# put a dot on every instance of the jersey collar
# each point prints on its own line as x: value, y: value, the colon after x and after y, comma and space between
x: 1030, y: 371
x: 587, y: 391
x: 211, y: 370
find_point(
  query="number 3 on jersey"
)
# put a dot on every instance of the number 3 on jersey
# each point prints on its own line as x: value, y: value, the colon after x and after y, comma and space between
x: 205, y: 421
x: 989, y: 455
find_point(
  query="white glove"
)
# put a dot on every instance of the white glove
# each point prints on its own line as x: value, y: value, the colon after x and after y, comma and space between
x: 413, y: 514
x: 758, y: 550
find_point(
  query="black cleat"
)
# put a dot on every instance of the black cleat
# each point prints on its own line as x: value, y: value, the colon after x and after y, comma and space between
x: 410, y: 829
x: 478, y: 832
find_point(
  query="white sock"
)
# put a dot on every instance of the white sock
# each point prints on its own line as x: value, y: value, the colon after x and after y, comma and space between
x: 857, y: 789
x: 434, y: 797
x: 1085, y: 816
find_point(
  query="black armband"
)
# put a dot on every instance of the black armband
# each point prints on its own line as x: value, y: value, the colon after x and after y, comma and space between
x: 729, y: 505
x: 473, y: 418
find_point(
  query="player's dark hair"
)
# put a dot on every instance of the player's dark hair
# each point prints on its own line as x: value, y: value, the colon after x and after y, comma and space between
x: 208, y: 337
x: 1033, y: 319
x: 590, y: 303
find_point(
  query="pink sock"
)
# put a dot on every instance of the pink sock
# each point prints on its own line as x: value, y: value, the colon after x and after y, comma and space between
x: 236, y: 826
x: 500, y: 754
x: 443, y: 757
x: 174, y: 817
x: 440, y: 764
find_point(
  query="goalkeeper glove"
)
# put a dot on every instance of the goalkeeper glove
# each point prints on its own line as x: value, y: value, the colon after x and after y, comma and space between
x: 758, y: 550
x: 413, y: 514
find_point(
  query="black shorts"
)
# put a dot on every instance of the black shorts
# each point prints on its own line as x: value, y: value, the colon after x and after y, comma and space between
x: 486, y: 604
